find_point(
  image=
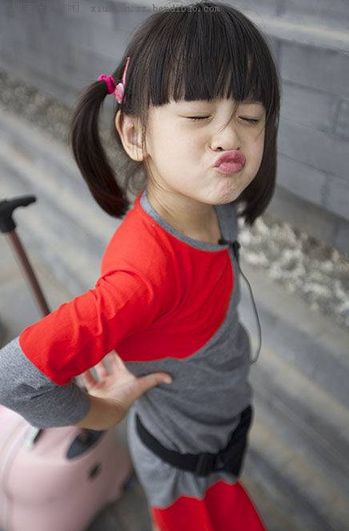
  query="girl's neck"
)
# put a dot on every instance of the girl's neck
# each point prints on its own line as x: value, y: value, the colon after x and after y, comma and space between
x: 197, y: 221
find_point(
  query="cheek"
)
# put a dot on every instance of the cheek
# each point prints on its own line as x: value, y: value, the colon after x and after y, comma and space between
x: 166, y: 139
x: 257, y: 147
x: 175, y: 145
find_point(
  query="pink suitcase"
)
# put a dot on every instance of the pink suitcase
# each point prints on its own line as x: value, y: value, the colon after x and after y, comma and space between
x: 61, y: 480
x: 55, y: 478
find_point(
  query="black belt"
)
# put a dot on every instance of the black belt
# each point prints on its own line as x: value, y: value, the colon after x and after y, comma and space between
x: 229, y: 459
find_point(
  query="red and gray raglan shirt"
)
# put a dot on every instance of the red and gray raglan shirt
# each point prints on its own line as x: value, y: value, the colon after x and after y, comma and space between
x: 164, y: 302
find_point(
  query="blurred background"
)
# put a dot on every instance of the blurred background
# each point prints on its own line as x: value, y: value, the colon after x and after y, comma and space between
x: 296, y: 257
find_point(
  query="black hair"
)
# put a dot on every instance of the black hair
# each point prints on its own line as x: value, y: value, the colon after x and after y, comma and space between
x: 200, y: 51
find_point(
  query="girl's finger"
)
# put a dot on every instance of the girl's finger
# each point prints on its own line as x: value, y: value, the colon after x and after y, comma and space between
x: 115, y: 361
x: 89, y: 379
x: 101, y: 369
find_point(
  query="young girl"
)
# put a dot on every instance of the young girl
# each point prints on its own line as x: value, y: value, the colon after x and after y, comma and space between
x: 197, y: 111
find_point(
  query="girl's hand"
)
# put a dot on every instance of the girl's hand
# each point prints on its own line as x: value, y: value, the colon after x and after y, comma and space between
x: 120, y: 385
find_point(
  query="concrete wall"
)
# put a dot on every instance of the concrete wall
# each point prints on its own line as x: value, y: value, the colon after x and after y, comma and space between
x: 62, y: 46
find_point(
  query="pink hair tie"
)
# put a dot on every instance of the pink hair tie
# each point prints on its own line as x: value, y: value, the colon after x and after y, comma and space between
x: 119, y: 89
x: 110, y: 81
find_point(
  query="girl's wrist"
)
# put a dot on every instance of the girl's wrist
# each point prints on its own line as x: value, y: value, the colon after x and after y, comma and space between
x: 103, y: 414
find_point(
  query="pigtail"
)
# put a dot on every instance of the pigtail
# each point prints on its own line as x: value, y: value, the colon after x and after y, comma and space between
x: 89, y: 154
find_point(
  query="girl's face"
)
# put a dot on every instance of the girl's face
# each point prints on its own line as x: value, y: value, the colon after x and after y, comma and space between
x: 182, y: 152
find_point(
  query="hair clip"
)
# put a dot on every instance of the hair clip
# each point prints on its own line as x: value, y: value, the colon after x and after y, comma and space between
x: 119, y: 89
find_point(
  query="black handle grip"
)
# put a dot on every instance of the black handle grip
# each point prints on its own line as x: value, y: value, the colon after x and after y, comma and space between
x: 7, y: 207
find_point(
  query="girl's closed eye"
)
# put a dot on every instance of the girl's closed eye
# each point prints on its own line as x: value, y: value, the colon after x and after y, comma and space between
x: 250, y: 120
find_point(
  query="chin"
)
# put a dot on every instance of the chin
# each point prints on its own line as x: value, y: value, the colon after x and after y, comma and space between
x: 229, y: 192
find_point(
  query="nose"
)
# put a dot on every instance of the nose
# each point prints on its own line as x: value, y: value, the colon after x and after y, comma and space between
x: 226, y: 138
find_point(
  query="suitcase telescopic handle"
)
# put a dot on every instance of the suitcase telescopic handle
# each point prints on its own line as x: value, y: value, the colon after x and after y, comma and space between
x: 8, y: 228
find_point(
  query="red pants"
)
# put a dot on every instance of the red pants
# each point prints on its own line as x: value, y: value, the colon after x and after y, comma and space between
x: 224, y: 508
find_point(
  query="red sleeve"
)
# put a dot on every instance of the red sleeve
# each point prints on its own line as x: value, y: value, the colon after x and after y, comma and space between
x: 78, y: 334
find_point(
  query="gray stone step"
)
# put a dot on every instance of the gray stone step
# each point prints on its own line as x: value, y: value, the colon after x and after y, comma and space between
x: 310, y: 341
x: 305, y: 467
x: 65, y: 215
x: 54, y: 157
x: 299, y: 444
x: 52, y: 238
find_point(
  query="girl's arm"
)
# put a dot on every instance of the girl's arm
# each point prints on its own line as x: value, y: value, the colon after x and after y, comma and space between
x: 36, y: 367
x: 29, y: 392
x: 103, y: 414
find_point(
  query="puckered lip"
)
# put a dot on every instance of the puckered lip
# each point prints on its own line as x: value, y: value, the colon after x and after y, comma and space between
x: 231, y: 156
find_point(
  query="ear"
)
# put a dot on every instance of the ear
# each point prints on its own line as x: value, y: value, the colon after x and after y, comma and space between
x: 130, y: 133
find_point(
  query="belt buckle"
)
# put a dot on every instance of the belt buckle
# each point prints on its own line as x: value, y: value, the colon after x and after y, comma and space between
x: 205, y: 464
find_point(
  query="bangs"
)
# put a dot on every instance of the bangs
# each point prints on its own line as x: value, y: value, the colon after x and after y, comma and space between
x: 204, y: 55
